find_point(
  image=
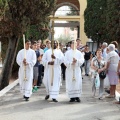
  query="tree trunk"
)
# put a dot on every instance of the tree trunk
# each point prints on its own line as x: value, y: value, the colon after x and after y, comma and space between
x: 8, y: 62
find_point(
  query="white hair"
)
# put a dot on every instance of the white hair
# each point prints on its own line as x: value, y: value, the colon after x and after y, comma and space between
x: 105, y: 44
x: 111, y: 47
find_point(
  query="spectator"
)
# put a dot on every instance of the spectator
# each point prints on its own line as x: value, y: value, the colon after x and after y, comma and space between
x: 98, y: 65
x: 48, y: 45
x: 40, y: 66
x: 35, y: 69
x: 116, y: 46
x: 112, y: 65
x: 87, y: 57
x: 79, y: 44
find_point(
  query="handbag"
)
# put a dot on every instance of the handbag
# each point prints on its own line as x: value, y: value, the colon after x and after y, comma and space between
x: 102, y: 74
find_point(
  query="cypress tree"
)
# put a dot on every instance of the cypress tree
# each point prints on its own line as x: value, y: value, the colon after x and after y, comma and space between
x: 95, y: 20
x: 113, y: 20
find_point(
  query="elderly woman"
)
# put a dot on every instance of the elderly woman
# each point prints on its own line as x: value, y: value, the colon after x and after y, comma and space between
x: 112, y: 66
x: 98, y: 65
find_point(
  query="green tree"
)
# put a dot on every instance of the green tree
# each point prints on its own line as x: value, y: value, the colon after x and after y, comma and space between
x: 16, y: 18
x: 64, y: 39
x: 95, y: 19
x: 35, y: 32
x: 113, y: 20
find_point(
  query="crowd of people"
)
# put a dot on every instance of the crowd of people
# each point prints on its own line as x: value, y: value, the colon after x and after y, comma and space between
x: 53, y: 62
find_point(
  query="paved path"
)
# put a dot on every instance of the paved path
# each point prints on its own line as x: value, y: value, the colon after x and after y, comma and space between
x: 12, y: 107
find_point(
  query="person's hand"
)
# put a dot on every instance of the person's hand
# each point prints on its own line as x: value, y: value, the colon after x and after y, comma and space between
x: 39, y: 58
x: 51, y: 63
x: 100, y: 70
x: 52, y: 56
x: 118, y: 73
x: 25, y: 62
x: 119, y: 80
x: 74, y: 61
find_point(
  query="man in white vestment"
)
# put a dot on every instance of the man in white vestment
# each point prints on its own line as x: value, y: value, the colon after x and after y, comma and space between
x: 26, y: 59
x: 52, y: 77
x: 73, y: 60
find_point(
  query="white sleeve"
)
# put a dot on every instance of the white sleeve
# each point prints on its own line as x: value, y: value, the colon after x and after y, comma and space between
x: 59, y: 59
x: 33, y: 60
x: 80, y: 61
x: 19, y: 58
x: 66, y: 60
x: 44, y: 59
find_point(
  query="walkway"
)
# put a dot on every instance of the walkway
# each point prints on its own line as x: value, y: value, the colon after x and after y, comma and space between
x: 12, y: 107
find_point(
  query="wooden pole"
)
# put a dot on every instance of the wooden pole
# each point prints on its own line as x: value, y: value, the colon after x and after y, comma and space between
x: 74, y: 57
x: 52, y: 77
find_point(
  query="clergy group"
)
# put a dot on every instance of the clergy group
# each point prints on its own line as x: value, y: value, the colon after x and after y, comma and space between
x: 30, y: 59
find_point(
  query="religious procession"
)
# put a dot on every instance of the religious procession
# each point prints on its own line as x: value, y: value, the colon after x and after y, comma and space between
x: 59, y: 60
x: 51, y: 65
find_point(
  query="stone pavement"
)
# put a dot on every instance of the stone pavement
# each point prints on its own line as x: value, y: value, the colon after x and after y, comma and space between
x: 13, y: 107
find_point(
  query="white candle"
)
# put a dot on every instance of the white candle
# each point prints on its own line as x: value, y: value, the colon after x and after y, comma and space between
x: 24, y: 40
x: 74, y: 48
x: 24, y: 45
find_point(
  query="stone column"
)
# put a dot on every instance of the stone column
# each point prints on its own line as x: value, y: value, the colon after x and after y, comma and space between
x: 83, y: 5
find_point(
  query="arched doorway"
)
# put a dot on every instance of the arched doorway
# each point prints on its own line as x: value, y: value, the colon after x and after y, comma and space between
x: 66, y: 29
x: 68, y: 4
x: 80, y: 6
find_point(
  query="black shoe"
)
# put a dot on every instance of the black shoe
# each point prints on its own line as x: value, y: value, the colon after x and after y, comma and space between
x: 47, y: 97
x: 72, y: 100
x: 24, y: 96
x: 54, y: 100
x: 87, y: 75
x: 77, y: 99
x: 27, y: 99
x: 108, y: 91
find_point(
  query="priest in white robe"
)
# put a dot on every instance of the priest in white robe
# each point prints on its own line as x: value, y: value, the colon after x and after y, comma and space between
x: 52, y: 76
x: 26, y: 58
x: 73, y: 60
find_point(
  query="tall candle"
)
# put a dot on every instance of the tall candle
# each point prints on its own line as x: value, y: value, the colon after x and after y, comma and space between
x: 24, y: 45
x: 24, y: 40
x: 74, y: 48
